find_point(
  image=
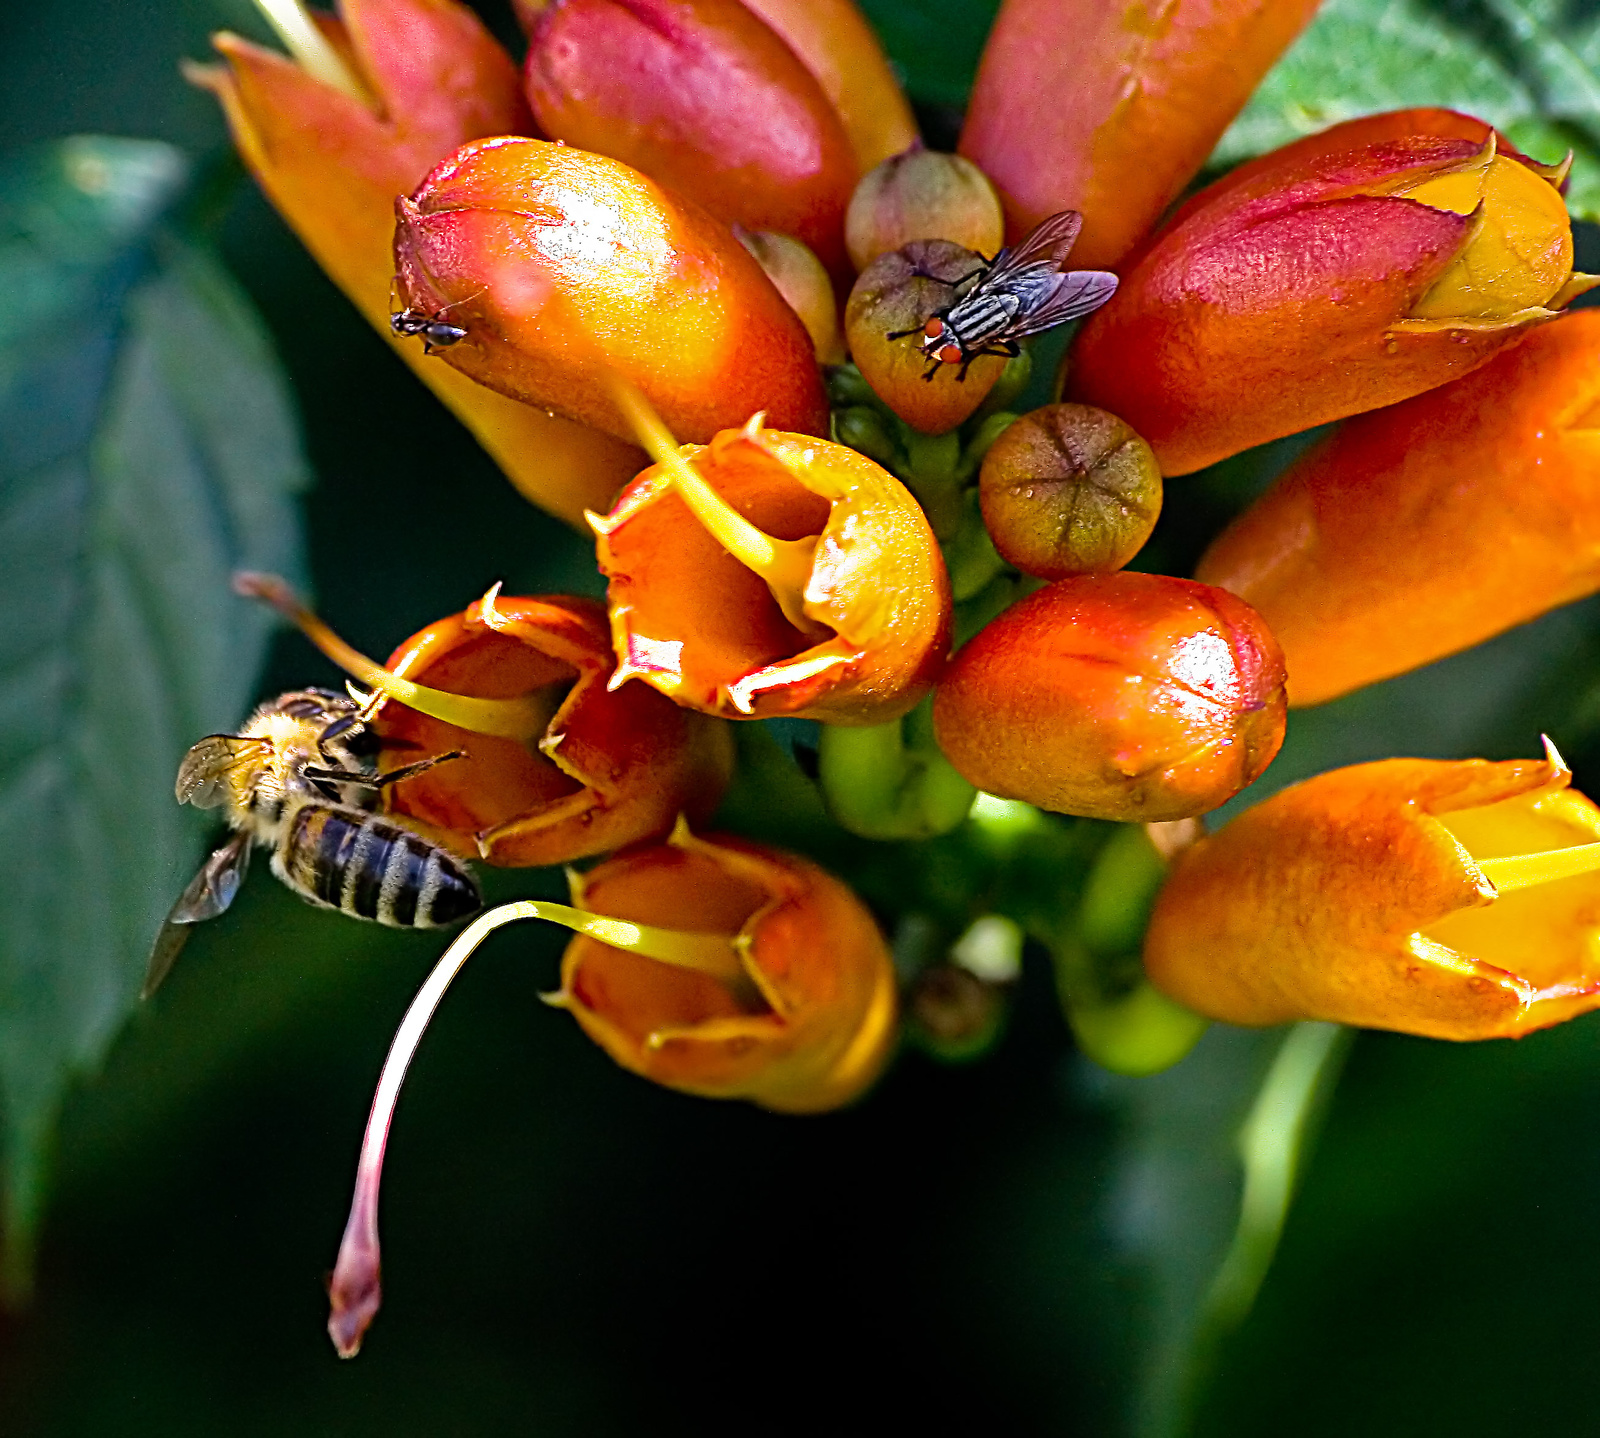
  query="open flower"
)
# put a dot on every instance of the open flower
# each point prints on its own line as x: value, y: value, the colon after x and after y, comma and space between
x: 372, y: 102
x: 1429, y: 526
x: 550, y: 765
x: 770, y: 573
x: 1457, y: 900
x: 1323, y: 285
x: 711, y: 965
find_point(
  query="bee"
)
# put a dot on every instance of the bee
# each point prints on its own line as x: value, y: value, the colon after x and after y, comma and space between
x: 298, y: 780
x: 1022, y: 291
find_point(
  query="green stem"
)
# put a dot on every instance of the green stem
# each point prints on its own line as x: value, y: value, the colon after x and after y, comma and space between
x: 881, y: 783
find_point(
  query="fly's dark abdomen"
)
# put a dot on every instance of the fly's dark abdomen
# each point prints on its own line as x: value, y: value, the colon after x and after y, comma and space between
x: 371, y: 868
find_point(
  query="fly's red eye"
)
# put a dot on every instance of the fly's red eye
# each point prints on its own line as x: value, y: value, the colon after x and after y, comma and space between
x: 950, y: 354
x: 934, y: 328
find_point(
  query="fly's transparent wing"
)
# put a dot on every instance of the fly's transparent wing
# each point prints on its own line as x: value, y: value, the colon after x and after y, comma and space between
x: 208, y: 894
x: 203, y: 776
x: 1047, y: 243
x: 1077, y: 293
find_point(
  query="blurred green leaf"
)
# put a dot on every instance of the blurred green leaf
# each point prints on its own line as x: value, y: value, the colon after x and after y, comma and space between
x: 1526, y: 66
x: 934, y: 44
x: 147, y: 448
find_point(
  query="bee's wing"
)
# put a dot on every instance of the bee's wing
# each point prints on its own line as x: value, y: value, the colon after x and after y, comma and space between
x: 202, y: 777
x: 1077, y: 293
x: 1048, y: 243
x: 208, y: 894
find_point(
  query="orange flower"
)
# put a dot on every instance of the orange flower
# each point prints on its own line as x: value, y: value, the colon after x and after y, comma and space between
x: 384, y: 94
x: 1456, y: 900
x: 1116, y: 696
x: 801, y: 1020
x: 1111, y: 106
x: 713, y: 966
x: 707, y: 100
x: 1326, y: 284
x: 563, y: 266
x: 1429, y: 526
x: 607, y: 768
x: 775, y: 574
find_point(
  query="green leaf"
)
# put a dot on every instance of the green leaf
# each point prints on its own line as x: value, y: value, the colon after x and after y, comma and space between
x: 934, y: 44
x: 147, y: 448
x: 1526, y: 66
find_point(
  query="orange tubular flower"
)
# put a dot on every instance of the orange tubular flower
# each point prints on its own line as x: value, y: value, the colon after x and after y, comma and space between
x: 332, y: 149
x: 704, y: 97
x: 1116, y: 696
x: 1455, y: 900
x: 837, y: 45
x: 776, y: 574
x: 803, y: 1019
x: 607, y: 768
x: 1427, y: 527
x: 1326, y: 285
x: 564, y: 266
x: 1107, y: 107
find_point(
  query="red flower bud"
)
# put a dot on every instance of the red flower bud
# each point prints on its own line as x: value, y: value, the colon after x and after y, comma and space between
x: 801, y: 1021
x: 1454, y: 900
x: 606, y: 768
x: 1116, y: 696
x: 331, y: 157
x: 836, y: 608
x: 1326, y: 285
x: 835, y: 42
x: 564, y: 266
x: 1429, y: 526
x: 1111, y: 106
x: 704, y: 98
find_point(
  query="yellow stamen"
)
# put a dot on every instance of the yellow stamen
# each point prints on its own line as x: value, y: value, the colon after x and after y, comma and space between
x: 1525, y: 871
x: 783, y: 564
x: 305, y: 41
x: 523, y: 718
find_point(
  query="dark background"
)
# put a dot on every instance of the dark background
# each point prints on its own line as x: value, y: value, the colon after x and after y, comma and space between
x: 570, y: 1251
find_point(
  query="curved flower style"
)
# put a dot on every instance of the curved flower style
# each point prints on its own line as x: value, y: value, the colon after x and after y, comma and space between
x: 332, y: 151
x: 1116, y: 696
x: 705, y: 98
x: 1427, y: 527
x: 610, y: 767
x: 847, y: 618
x: 1111, y: 106
x: 803, y: 1021
x: 1324, y: 285
x: 1456, y: 900
x: 563, y: 266
x: 778, y: 989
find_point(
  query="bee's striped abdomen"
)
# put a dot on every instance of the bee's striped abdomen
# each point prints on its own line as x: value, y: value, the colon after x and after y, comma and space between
x: 372, y: 868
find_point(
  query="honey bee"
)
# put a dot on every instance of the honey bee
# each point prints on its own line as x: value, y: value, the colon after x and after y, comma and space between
x: 298, y: 780
x: 1023, y: 291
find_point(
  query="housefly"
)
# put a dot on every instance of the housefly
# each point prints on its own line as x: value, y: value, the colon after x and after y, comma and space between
x: 1023, y: 291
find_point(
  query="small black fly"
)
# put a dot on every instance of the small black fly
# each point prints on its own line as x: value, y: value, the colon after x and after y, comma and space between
x: 1023, y: 291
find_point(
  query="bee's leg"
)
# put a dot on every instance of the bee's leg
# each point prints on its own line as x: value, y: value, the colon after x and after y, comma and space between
x: 1006, y: 349
x: 410, y: 771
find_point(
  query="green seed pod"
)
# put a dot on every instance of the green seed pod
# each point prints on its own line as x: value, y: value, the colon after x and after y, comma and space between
x: 1069, y: 490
